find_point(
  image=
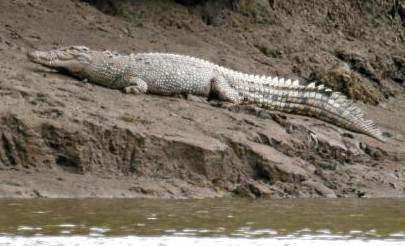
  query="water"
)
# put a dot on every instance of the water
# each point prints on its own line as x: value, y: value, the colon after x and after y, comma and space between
x: 202, y: 222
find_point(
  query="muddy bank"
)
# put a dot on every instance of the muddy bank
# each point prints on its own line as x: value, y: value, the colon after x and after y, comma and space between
x: 61, y: 137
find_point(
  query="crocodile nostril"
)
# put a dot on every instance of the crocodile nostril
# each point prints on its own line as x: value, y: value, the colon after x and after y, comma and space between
x: 32, y: 55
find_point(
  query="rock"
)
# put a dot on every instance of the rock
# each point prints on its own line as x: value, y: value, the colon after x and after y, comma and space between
x: 320, y: 188
x: 190, y: 2
x: 401, y: 13
x: 253, y: 190
x: 265, y: 47
x: 342, y: 78
x: 358, y: 63
x: 275, y: 166
x: 256, y: 7
x: 398, y: 71
x: 213, y: 13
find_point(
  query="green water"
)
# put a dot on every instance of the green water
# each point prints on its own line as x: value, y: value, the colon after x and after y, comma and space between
x: 369, y: 218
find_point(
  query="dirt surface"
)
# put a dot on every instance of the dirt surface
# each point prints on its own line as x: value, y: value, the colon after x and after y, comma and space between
x: 60, y: 137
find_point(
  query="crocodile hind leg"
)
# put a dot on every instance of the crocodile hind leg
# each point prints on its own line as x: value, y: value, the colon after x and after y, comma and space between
x: 221, y: 88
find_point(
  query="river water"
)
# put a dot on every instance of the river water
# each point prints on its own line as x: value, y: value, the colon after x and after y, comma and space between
x: 202, y: 222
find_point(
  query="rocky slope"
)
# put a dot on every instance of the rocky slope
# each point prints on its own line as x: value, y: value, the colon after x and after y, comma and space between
x: 60, y: 137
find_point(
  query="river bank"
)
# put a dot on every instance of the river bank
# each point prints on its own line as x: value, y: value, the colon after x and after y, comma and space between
x: 61, y: 137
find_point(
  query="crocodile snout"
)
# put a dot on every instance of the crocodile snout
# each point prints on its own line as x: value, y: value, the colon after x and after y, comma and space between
x: 35, y: 56
x: 39, y: 57
x: 32, y: 55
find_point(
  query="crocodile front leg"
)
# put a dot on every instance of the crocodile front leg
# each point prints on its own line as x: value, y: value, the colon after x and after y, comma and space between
x: 135, y: 86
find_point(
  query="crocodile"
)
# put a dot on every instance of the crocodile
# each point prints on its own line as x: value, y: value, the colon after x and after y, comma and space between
x: 174, y: 74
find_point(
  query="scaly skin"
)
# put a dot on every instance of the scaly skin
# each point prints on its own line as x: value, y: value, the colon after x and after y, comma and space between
x: 170, y: 74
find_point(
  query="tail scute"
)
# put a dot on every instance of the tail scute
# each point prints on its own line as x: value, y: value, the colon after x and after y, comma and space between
x: 319, y: 101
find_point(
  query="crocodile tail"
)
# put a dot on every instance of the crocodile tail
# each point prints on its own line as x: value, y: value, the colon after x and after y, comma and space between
x: 316, y: 101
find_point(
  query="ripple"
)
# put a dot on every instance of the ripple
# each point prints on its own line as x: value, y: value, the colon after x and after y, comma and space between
x: 28, y: 228
x: 398, y: 235
x: 101, y: 230
x: 265, y: 232
x: 187, y: 240
x: 39, y: 212
x: 323, y: 231
x: 66, y: 225
x: 152, y: 217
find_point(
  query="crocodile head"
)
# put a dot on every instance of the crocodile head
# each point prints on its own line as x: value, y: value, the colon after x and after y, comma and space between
x: 72, y: 59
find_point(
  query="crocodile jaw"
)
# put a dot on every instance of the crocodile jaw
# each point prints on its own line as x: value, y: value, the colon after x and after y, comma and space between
x: 42, y: 57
